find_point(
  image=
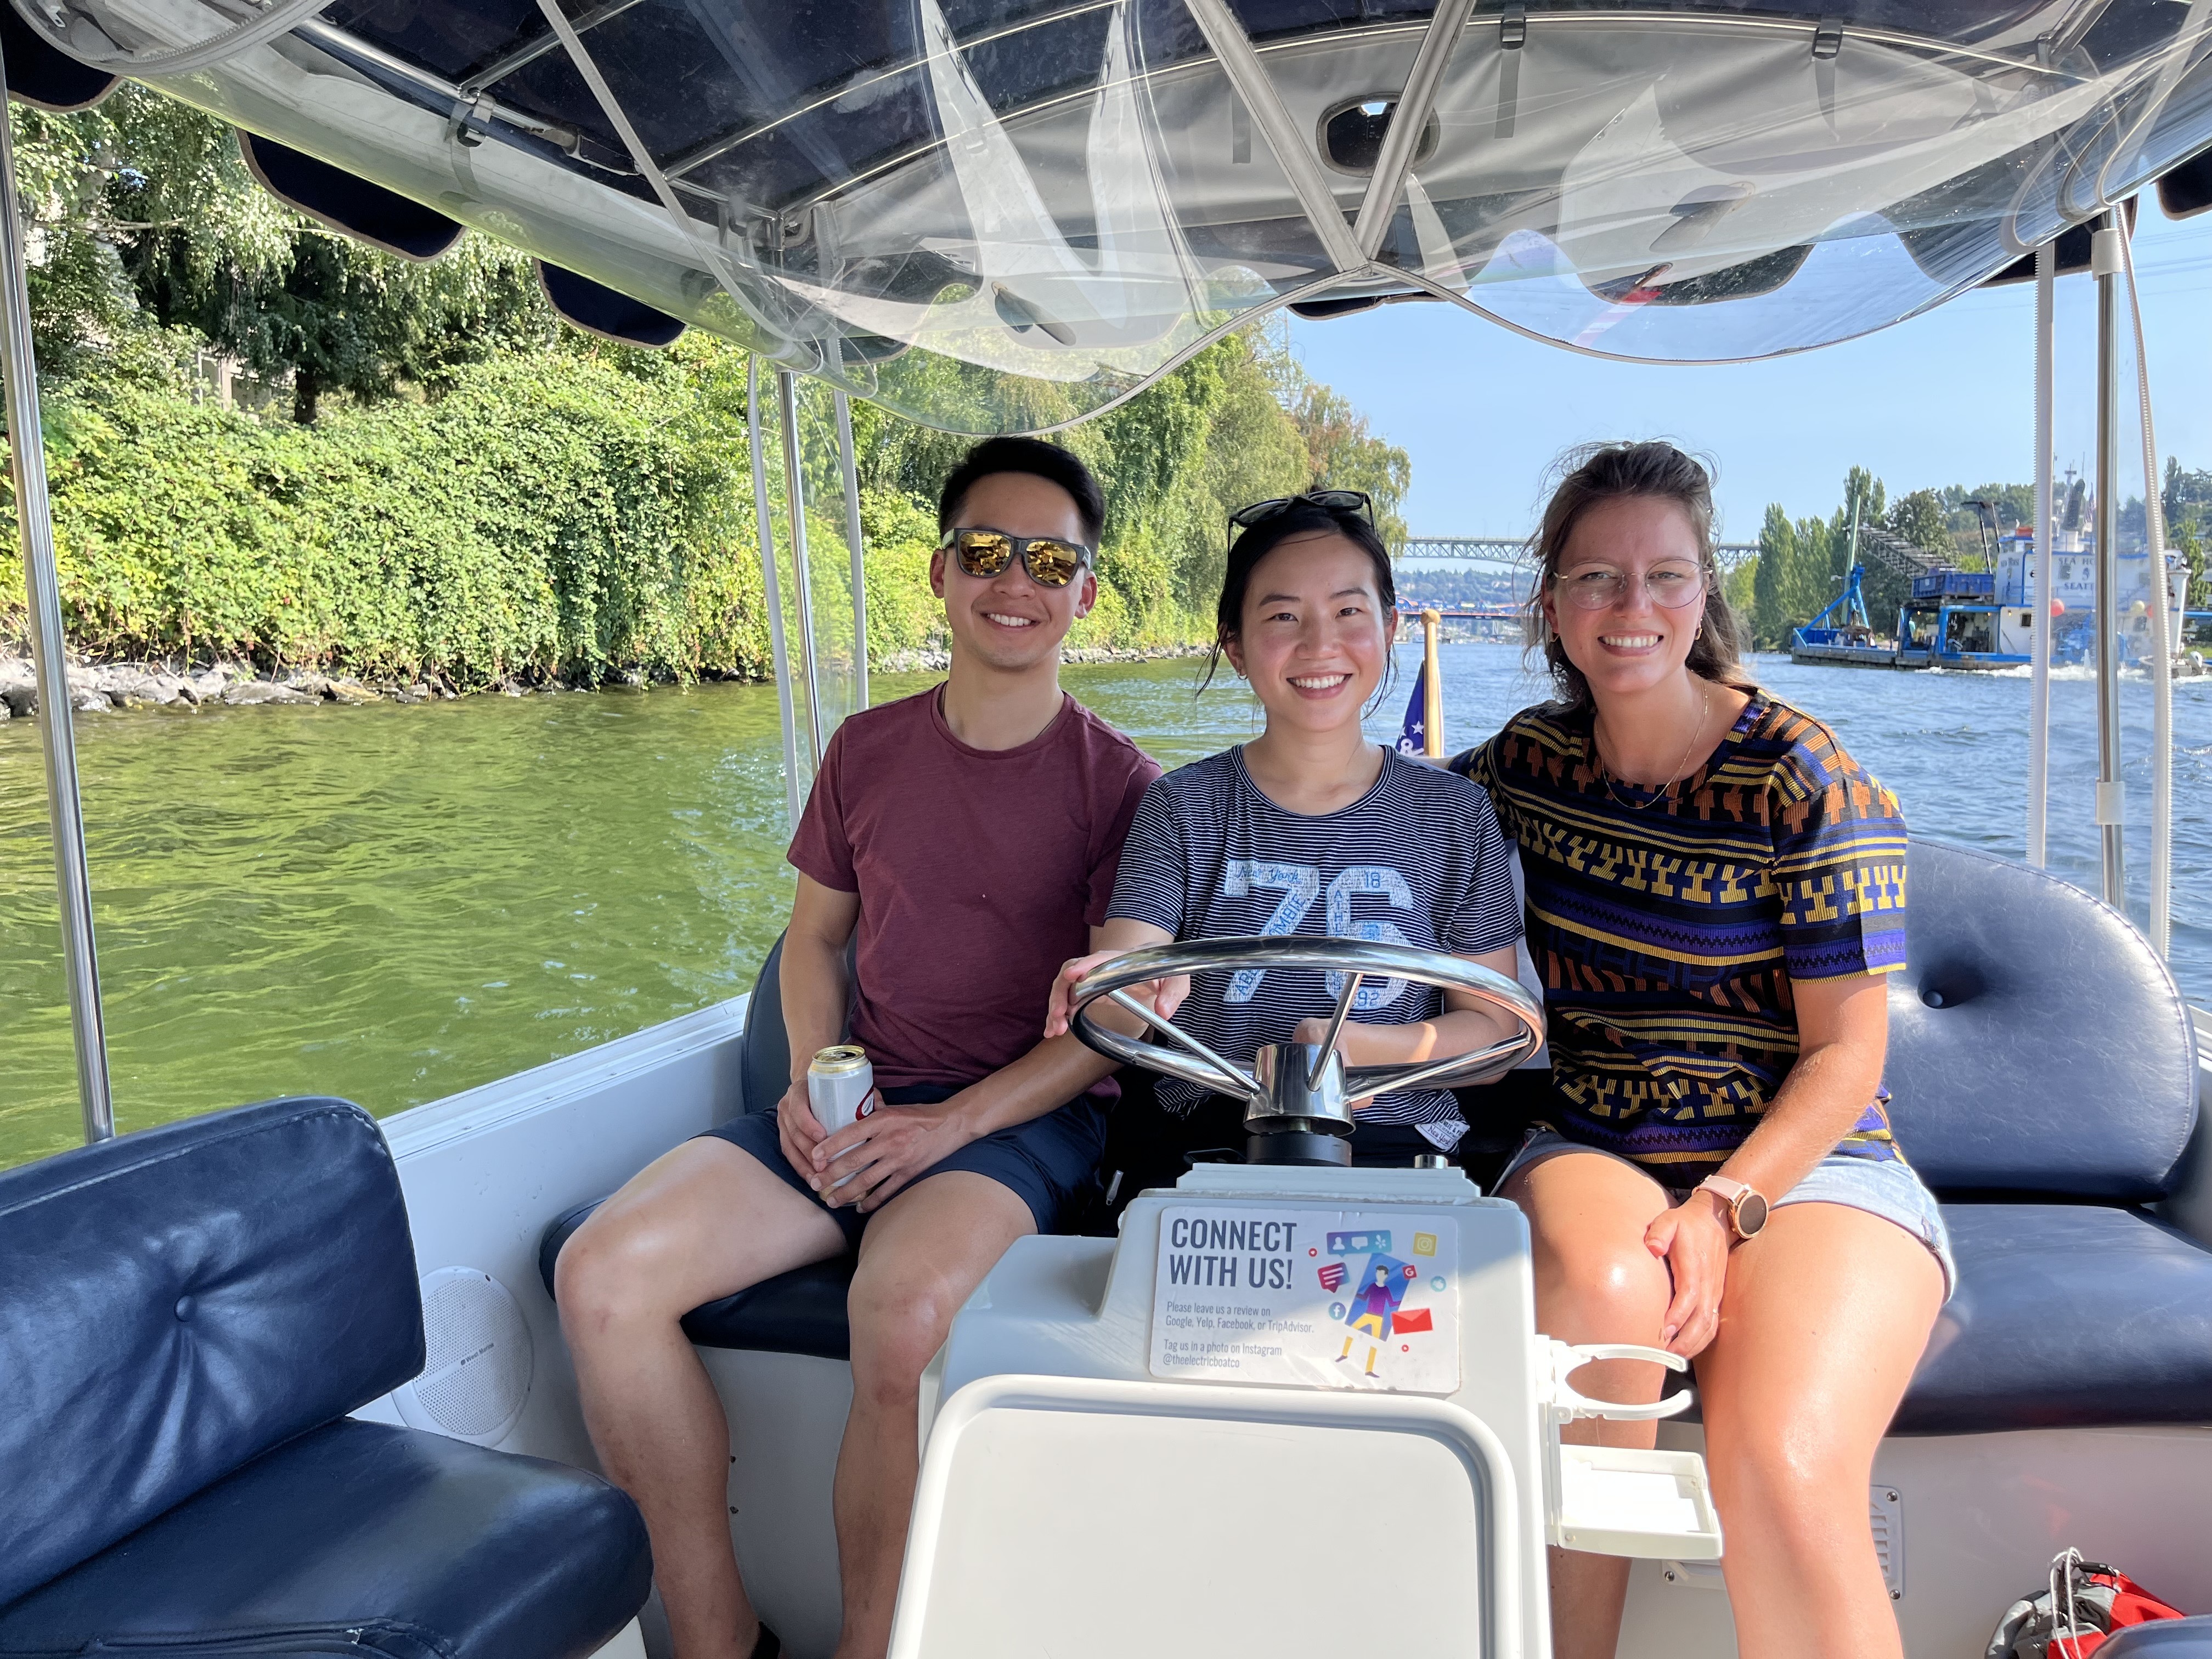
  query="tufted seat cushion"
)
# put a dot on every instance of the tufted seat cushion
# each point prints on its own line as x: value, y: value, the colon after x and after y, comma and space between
x: 2066, y: 1315
x: 360, y: 1539
x: 186, y: 1315
x: 2037, y: 1043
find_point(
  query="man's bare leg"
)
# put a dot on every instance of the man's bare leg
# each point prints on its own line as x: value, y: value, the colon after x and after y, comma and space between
x: 701, y: 1222
x: 920, y: 1258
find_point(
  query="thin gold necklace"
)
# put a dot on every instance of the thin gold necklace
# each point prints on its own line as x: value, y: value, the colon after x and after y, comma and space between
x: 1704, y: 709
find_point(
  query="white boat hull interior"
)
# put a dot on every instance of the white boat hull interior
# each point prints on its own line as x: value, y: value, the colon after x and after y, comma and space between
x: 1973, y: 1521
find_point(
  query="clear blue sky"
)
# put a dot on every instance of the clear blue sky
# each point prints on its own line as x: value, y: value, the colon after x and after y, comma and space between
x: 1948, y: 397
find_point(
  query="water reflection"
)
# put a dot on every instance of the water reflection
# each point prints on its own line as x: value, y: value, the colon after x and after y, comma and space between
x: 393, y: 904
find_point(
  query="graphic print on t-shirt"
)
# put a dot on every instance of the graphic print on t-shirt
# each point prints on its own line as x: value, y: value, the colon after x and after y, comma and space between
x: 1417, y: 860
x: 1300, y: 884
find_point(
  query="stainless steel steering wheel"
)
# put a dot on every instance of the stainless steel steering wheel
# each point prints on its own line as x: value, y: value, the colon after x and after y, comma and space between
x: 1290, y: 1084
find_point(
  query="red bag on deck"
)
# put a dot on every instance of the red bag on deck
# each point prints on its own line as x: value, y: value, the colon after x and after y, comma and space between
x: 2085, y: 1603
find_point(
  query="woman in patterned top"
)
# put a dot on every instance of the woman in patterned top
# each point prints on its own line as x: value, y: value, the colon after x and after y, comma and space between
x: 1714, y: 892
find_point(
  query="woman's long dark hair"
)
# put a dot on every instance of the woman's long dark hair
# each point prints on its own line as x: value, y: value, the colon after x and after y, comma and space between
x: 1255, y: 545
x: 1611, y: 472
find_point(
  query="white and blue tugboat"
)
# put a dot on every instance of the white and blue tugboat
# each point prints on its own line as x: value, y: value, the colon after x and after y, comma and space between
x: 287, y: 1380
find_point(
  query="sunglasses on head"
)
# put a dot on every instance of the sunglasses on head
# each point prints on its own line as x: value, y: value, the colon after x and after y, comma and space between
x: 1356, y: 502
x: 1051, y: 561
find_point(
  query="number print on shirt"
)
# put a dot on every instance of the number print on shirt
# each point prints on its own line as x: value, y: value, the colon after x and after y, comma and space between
x: 1300, y: 885
x: 1368, y: 878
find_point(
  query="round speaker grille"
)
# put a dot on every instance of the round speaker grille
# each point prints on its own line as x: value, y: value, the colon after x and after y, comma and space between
x: 477, y: 1378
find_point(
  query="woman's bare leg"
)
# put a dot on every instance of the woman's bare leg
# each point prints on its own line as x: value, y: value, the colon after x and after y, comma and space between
x: 1595, y: 1282
x: 1823, y: 1318
x: 922, y: 1256
x: 701, y: 1222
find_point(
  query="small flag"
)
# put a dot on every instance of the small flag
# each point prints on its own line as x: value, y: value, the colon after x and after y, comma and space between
x: 1413, y: 739
x: 1411, y: 1319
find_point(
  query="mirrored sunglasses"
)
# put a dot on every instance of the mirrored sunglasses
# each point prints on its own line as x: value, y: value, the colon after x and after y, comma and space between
x: 1051, y: 561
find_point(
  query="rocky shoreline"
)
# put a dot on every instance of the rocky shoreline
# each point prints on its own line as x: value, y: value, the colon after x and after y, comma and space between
x: 105, y: 688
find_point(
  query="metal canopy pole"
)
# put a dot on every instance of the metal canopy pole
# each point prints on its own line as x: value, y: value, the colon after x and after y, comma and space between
x: 2162, y: 644
x: 34, y: 528
x: 780, y: 655
x: 847, y: 460
x: 1402, y: 137
x: 2111, y: 800
x: 1294, y: 152
x: 2039, y: 715
x: 794, y: 508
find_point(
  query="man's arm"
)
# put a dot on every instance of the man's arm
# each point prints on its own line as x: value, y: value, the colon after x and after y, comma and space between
x: 815, y: 988
x: 866, y: 1164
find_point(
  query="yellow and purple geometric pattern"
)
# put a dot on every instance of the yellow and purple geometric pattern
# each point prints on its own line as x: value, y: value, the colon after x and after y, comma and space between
x: 1670, y: 925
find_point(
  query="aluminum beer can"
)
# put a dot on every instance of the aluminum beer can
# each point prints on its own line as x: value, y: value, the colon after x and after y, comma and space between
x: 838, y: 1084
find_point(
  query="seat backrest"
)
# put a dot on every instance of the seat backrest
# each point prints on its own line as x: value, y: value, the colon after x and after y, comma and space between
x: 766, y: 1060
x: 2037, y: 1043
x: 177, y: 1302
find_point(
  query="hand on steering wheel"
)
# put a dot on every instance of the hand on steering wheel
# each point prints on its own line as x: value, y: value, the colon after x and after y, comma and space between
x: 1161, y: 996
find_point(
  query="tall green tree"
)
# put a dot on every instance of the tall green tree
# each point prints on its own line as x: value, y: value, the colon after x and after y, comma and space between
x: 1770, y: 606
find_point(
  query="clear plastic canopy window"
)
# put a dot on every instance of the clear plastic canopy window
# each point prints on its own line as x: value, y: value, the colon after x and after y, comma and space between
x: 996, y: 216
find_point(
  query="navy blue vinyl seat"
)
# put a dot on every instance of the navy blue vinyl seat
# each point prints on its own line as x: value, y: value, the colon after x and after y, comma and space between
x: 186, y: 1317
x: 2044, y: 1084
x: 2044, y: 1080
x: 2169, y: 1639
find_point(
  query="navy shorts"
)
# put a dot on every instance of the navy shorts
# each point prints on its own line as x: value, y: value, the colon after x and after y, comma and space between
x: 1049, y: 1163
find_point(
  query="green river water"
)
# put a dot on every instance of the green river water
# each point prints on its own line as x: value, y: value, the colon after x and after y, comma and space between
x: 394, y: 903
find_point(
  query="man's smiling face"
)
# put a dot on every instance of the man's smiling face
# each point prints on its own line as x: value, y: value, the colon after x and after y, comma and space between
x: 1008, y: 622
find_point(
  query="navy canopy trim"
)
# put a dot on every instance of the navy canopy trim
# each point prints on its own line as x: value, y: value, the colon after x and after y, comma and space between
x: 2186, y: 190
x: 45, y: 78
x: 607, y: 313
x: 368, y: 213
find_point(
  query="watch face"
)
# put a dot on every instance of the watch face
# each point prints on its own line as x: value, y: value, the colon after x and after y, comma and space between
x: 1750, y: 1214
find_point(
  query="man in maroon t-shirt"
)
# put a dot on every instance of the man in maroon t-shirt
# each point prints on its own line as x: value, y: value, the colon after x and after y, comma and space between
x: 963, y: 841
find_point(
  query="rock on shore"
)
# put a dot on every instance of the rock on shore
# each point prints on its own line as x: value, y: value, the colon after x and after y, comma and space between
x: 100, y: 687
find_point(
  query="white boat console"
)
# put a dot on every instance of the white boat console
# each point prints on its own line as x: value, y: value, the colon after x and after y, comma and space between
x: 1295, y: 1411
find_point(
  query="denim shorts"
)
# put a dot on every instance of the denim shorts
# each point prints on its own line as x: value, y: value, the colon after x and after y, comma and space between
x: 1886, y: 1187
x: 1049, y: 1163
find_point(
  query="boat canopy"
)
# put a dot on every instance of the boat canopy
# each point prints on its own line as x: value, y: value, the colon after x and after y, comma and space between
x: 1008, y: 215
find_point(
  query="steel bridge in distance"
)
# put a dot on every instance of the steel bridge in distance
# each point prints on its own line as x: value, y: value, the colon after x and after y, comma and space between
x: 1511, y: 551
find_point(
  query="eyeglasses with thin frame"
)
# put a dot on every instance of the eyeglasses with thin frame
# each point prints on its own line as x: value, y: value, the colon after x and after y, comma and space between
x: 1600, y: 587
x: 1358, y: 503
x: 1051, y: 561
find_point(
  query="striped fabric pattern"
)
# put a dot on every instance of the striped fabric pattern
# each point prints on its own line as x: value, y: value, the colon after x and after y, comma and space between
x: 1419, y: 860
x: 1669, y: 925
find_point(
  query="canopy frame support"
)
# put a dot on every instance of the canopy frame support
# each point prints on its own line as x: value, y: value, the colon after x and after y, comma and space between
x: 848, y: 464
x: 794, y: 510
x: 2112, y: 799
x: 779, y: 649
x: 1415, y: 100
x: 2163, y: 643
x: 1247, y: 77
x: 2038, y: 717
x: 34, y: 529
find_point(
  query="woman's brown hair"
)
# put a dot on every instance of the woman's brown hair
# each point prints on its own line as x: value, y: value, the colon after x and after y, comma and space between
x: 1608, y: 472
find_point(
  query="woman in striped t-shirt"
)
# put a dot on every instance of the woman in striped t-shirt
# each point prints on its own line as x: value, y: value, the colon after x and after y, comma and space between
x: 1311, y: 828
x: 1714, y: 893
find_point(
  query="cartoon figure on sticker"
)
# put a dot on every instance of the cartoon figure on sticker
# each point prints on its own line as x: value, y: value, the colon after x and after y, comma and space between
x: 1374, y: 1312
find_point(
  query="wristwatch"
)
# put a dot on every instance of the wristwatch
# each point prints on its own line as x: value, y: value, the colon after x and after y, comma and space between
x: 1745, y: 1204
